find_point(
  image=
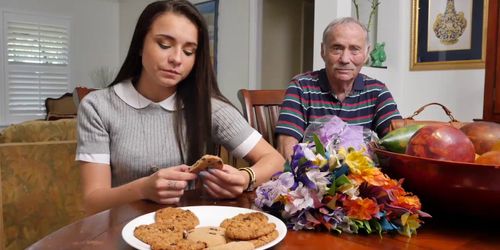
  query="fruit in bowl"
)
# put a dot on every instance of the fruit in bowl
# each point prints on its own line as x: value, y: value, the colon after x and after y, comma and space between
x: 446, y: 187
x: 441, y: 142
x: 397, y: 140
x: 482, y: 134
x: 489, y: 158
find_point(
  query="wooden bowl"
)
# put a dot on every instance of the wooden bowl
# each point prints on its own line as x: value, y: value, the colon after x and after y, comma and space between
x: 446, y: 186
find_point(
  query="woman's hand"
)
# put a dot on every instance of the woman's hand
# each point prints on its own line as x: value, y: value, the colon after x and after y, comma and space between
x: 167, y: 185
x: 226, y: 183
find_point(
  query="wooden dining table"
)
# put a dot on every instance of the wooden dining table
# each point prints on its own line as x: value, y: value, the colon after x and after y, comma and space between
x: 103, y: 230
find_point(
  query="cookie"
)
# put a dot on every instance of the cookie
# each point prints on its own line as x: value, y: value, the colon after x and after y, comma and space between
x: 205, y: 162
x: 234, y: 245
x: 158, y: 232
x: 213, y: 236
x: 184, y: 219
x: 249, y: 226
x: 248, y: 230
x: 262, y: 240
x: 240, y: 217
x: 181, y: 244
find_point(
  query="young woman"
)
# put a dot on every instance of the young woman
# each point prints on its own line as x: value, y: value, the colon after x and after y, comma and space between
x: 164, y: 111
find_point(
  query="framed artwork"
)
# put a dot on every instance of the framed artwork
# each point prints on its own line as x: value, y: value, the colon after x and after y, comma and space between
x: 209, y: 10
x: 448, y: 34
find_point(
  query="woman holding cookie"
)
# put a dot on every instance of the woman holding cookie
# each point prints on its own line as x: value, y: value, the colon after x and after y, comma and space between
x: 163, y: 112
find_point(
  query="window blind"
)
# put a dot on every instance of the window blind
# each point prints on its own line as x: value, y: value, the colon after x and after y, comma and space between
x: 32, y: 43
x: 27, y: 91
x: 36, y: 62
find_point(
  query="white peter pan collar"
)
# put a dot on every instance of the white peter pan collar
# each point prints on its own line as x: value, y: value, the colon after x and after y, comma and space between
x: 126, y: 91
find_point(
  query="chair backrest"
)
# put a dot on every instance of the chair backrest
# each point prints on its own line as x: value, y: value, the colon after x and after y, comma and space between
x: 261, y: 109
x: 81, y: 92
x: 60, y: 108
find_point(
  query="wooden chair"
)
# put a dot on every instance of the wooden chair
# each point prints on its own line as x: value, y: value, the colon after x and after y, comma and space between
x: 261, y: 109
x: 81, y: 92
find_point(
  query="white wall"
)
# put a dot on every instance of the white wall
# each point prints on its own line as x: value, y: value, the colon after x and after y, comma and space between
x: 94, y: 31
x: 129, y: 11
x: 460, y: 90
x: 233, y: 57
x: 281, y: 42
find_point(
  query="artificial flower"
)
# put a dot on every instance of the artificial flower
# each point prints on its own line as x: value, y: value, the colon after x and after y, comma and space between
x: 361, y: 209
x: 339, y: 190
x: 300, y: 199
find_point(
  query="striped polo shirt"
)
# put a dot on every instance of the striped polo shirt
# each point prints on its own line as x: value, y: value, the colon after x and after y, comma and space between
x: 309, y: 97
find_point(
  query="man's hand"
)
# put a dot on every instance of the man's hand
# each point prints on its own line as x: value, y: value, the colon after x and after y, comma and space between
x: 285, y: 146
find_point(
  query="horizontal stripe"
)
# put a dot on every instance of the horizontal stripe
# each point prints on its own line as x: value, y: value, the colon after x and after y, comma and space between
x: 290, y: 125
x: 289, y: 131
x: 370, y: 104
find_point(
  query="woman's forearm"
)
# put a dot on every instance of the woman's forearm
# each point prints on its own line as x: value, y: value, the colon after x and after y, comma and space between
x: 267, y: 166
x: 266, y: 161
x: 101, y: 199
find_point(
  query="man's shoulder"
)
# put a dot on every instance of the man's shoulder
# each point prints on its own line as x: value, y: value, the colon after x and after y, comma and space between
x: 306, y: 81
x: 370, y: 82
x: 308, y: 76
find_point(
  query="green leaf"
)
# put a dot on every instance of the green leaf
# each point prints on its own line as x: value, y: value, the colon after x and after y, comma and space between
x: 377, y: 227
x: 319, y: 146
x: 367, y: 227
x: 354, y: 227
x: 341, y: 180
x: 333, y: 187
x: 358, y: 223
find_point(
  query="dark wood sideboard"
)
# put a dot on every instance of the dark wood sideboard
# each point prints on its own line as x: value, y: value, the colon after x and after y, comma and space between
x: 491, y: 108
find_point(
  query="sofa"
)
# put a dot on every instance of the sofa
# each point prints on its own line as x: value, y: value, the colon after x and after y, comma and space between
x: 40, y: 181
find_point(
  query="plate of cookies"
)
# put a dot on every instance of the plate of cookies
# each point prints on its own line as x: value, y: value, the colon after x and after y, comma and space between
x: 204, y: 227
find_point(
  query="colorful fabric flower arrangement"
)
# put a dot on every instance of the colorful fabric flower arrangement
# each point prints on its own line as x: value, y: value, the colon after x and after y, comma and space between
x: 339, y: 190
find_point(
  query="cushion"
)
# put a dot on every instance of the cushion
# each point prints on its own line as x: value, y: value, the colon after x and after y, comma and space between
x: 40, y: 130
x: 62, y: 107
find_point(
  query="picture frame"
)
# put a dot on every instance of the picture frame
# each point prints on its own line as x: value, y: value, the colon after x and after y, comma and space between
x: 210, y: 11
x: 436, y: 46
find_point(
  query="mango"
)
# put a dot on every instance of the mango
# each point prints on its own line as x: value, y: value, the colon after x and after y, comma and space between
x: 397, y: 140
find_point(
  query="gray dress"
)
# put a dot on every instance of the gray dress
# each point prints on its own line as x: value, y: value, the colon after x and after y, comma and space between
x: 137, y: 135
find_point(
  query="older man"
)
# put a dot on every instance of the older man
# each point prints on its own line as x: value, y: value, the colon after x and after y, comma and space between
x: 338, y: 89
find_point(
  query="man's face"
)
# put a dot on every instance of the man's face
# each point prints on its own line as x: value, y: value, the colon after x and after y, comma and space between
x: 344, y: 52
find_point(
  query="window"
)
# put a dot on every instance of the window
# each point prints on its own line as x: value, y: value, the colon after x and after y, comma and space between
x: 36, y: 63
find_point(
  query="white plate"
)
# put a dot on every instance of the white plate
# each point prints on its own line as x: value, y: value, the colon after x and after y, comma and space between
x: 208, y: 216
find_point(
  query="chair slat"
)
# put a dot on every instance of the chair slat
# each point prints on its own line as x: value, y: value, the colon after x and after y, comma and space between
x: 261, y: 109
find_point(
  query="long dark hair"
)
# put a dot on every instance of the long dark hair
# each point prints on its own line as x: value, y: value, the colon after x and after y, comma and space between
x: 194, y: 93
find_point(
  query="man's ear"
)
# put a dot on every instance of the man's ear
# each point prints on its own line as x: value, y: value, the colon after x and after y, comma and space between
x: 323, y: 51
x: 367, y: 56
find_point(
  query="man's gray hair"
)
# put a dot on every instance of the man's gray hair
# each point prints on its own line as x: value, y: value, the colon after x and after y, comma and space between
x: 344, y: 20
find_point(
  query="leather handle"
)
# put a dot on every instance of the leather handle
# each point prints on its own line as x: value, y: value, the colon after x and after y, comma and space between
x: 446, y: 110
